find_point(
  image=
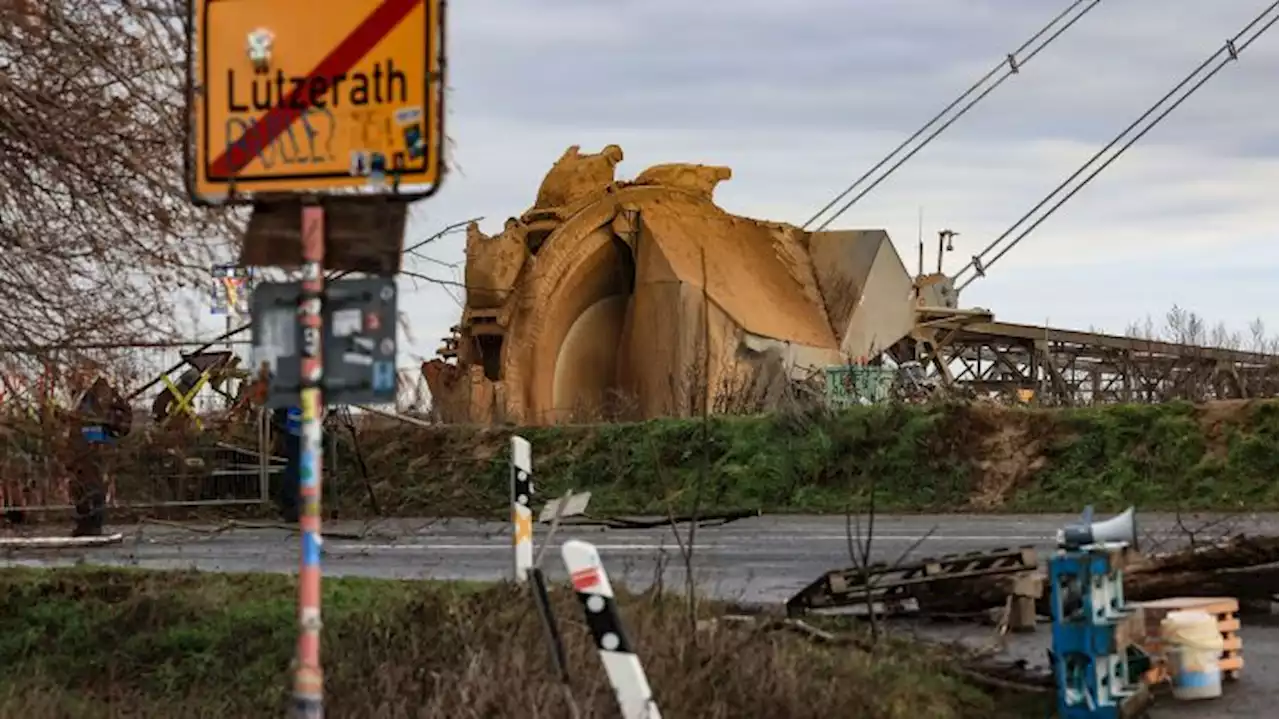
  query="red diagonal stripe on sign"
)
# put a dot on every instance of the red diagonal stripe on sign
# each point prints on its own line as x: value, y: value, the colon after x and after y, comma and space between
x: 342, y: 58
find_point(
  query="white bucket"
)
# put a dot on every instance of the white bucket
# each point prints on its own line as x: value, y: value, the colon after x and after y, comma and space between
x: 1192, y: 648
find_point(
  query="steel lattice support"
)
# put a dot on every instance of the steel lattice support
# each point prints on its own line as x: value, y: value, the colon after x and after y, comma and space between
x: 1065, y: 367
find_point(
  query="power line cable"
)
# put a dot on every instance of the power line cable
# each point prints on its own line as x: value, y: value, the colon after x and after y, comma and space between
x: 1232, y: 49
x: 1011, y: 63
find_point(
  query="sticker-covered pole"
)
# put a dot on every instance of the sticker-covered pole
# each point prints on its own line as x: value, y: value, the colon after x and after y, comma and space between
x: 521, y: 510
x: 308, y: 678
x: 621, y: 665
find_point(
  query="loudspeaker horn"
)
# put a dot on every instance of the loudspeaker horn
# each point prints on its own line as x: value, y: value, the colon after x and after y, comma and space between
x: 1121, y: 528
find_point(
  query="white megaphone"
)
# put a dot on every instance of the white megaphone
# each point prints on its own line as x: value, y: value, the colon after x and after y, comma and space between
x: 1121, y: 528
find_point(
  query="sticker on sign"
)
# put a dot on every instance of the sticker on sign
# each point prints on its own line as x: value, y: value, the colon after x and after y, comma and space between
x: 347, y: 94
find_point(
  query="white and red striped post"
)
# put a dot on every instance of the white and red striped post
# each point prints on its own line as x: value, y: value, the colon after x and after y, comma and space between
x: 308, y: 677
x: 621, y: 665
x: 521, y: 509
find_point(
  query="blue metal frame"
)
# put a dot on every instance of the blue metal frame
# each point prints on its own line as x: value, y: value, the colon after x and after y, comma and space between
x: 1090, y: 666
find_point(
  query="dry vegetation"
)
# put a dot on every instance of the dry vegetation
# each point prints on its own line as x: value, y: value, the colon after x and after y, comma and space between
x: 1183, y: 326
x: 105, y: 643
x: 96, y: 229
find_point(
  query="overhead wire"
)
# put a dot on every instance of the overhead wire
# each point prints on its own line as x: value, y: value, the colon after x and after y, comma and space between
x: 1232, y: 48
x: 222, y: 338
x: 1011, y: 64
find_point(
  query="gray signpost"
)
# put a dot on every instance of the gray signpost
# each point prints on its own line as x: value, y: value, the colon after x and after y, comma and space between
x: 359, y: 341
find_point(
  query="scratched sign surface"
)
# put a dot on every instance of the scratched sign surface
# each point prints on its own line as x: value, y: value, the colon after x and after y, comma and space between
x: 309, y: 96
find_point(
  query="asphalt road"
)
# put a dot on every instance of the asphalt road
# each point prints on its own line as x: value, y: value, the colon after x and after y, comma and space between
x: 757, y: 560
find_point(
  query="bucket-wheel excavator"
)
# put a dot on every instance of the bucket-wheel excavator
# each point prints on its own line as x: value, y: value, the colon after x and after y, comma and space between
x: 645, y: 290
x: 649, y: 291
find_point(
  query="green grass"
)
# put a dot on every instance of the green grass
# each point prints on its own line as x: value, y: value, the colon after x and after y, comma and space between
x: 109, y: 642
x: 1161, y: 457
x: 932, y: 458
x: 915, y: 459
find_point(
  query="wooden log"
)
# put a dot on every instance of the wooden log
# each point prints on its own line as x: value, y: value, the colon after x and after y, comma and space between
x: 1254, y: 582
x: 1243, y: 567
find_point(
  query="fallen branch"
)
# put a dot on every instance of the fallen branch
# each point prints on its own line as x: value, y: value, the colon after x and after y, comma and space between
x: 1238, y: 551
x: 702, y: 520
x: 14, y: 543
x: 978, y: 677
x: 231, y: 524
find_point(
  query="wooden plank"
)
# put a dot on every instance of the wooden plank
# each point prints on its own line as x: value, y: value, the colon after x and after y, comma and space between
x: 1213, y: 605
x: 844, y: 586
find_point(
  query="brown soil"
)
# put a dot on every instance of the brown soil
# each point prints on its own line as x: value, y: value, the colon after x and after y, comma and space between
x: 1011, y: 455
x: 1218, y: 417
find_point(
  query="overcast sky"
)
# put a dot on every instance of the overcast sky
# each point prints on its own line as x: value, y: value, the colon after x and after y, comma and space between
x: 800, y: 97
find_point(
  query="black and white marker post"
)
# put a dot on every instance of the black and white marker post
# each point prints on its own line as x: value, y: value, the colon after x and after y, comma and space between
x: 521, y: 507
x: 621, y: 665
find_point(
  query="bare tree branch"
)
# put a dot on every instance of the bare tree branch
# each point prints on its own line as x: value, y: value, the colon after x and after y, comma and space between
x: 96, y: 231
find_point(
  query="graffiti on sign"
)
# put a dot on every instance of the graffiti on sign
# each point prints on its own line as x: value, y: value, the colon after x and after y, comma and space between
x: 316, y: 95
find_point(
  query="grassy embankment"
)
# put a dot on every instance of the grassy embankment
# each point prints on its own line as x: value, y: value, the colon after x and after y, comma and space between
x: 1221, y: 456
x: 91, y: 643
x: 944, y: 458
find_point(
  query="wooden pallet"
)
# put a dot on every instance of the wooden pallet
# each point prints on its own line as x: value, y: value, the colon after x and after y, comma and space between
x: 1226, y: 609
x: 890, y: 583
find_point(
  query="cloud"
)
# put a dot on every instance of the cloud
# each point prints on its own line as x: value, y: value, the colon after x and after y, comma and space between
x: 799, y: 98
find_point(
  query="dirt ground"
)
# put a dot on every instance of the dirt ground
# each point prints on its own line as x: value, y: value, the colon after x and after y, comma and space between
x: 1254, y: 696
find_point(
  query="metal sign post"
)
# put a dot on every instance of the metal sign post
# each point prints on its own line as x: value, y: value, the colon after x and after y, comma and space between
x: 335, y: 105
x: 308, y: 678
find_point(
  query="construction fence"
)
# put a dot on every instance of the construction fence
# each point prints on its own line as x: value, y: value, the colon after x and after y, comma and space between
x: 199, y: 436
x: 191, y: 444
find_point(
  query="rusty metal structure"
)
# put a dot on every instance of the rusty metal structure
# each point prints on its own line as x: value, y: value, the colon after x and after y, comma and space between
x: 647, y: 289
x: 967, y: 351
x: 970, y: 351
x: 1064, y: 367
x: 609, y: 287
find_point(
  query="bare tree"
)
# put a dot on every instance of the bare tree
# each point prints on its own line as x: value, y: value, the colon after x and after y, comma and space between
x: 1258, y: 335
x: 96, y: 230
x: 1186, y: 327
x: 1222, y: 337
x: 1144, y: 330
